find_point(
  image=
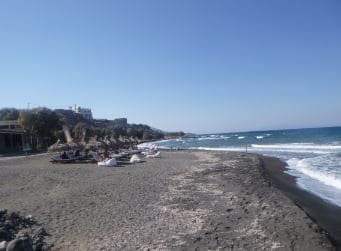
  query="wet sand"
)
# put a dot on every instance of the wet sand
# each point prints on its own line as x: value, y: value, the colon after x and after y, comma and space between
x: 185, y: 200
x: 327, y: 215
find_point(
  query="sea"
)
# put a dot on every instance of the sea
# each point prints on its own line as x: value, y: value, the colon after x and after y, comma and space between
x: 313, y: 155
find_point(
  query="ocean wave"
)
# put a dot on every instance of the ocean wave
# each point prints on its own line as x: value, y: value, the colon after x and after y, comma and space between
x: 146, y: 145
x: 263, y: 136
x: 241, y: 137
x: 309, y: 168
x: 155, y: 143
x: 239, y: 149
x: 257, y: 150
x: 207, y: 138
x: 211, y: 137
x: 224, y: 137
x: 305, y: 146
x: 162, y: 141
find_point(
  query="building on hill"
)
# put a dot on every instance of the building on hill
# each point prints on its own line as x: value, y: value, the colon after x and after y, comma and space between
x: 102, y: 122
x: 122, y: 122
x: 85, y: 112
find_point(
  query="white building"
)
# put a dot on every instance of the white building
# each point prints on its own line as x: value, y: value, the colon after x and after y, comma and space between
x: 85, y: 112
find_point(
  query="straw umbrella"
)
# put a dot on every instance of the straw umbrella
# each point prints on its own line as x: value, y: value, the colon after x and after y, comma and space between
x: 95, y: 144
x: 58, y: 147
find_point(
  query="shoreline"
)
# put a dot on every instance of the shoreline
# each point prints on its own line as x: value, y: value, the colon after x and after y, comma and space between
x: 324, y: 213
x: 182, y: 200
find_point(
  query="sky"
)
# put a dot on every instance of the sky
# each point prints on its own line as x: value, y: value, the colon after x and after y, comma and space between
x: 193, y: 65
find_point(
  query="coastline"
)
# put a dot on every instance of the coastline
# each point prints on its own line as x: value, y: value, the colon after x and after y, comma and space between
x: 183, y: 200
x: 326, y: 214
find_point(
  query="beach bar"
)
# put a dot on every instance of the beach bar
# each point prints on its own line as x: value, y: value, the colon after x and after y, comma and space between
x: 12, y: 137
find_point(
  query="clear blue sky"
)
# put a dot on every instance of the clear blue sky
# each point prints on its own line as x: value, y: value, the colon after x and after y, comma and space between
x: 192, y: 65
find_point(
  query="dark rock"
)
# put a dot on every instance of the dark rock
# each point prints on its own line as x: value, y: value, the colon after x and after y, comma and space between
x: 4, y: 235
x: 40, y: 232
x: 3, y: 212
x: 16, y: 231
x: 20, y: 244
x: 8, y: 224
x: 38, y: 239
x: 38, y: 246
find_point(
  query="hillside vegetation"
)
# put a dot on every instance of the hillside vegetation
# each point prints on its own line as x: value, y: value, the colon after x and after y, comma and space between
x: 45, y: 126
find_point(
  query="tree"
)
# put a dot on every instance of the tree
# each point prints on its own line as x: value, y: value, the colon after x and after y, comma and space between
x: 119, y: 131
x: 147, y: 135
x: 9, y: 114
x: 131, y: 132
x: 27, y: 120
x: 42, y: 124
x: 47, y: 122
x: 158, y: 135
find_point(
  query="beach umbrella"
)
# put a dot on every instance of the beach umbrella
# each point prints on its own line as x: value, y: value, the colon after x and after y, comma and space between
x: 93, y: 143
x: 113, y: 140
x: 137, y: 141
x: 107, y: 141
x: 58, y: 147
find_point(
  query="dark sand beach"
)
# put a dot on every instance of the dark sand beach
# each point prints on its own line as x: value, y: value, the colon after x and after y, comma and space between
x: 185, y: 200
x: 327, y: 215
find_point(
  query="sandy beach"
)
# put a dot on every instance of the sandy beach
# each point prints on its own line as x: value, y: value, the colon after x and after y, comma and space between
x: 326, y: 214
x: 185, y: 200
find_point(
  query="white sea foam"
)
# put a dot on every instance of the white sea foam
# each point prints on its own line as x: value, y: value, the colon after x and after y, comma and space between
x: 298, y: 148
x: 304, y: 146
x: 213, y: 137
x: 263, y: 136
x: 146, y: 146
x: 307, y: 167
x: 238, y: 149
x: 320, y: 175
x: 207, y: 138
x: 163, y: 141
x: 224, y: 137
x: 241, y: 137
x: 266, y: 151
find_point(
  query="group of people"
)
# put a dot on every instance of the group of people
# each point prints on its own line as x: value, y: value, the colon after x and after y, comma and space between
x: 70, y: 154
